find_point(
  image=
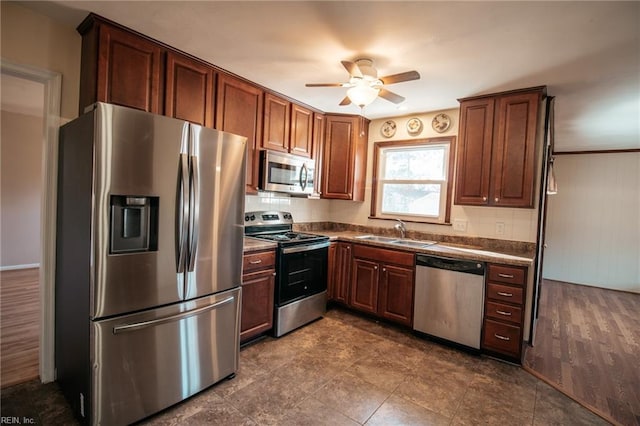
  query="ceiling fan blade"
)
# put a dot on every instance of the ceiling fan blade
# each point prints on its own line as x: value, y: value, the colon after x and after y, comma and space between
x: 345, y: 101
x: 399, y: 78
x: 390, y: 96
x: 324, y: 84
x: 352, y: 68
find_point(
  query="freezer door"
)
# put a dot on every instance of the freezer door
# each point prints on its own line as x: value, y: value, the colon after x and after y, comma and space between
x: 145, y: 362
x: 216, y: 224
x: 138, y: 155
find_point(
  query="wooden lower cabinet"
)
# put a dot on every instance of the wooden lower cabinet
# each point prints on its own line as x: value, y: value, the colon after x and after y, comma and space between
x: 364, y: 287
x: 339, y: 272
x: 258, y: 287
x: 505, y: 294
x: 382, y: 283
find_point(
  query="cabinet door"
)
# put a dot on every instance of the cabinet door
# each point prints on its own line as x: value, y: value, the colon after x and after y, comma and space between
x: 331, y: 271
x: 189, y: 90
x: 342, y: 273
x: 276, y: 123
x: 364, y: 286
x: 301, y: 142
x: 257, y: 304
x: 474, y: 152
x: 396, y: 294
x: 129, y: 70
x: 239, y: 110
x: 338, y: 158
x: 513, y: 162
x: 318, y: 146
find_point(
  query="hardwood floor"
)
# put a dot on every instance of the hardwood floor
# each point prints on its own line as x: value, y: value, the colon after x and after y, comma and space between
x: 20, y: 329
x: 588, y: 345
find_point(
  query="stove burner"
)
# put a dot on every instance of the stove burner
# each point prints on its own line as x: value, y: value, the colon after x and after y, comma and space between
x: 287, y: 236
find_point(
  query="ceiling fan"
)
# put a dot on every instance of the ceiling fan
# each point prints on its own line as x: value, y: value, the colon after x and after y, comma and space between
x: 365, y: 85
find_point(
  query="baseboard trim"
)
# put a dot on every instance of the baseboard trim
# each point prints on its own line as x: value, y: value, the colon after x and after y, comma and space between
x: 17, y: 267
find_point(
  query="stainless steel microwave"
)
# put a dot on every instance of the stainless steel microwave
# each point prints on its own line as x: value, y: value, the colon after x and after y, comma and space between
x: 280, y: 172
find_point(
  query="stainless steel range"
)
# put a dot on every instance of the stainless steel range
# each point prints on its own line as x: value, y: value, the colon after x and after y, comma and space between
x: 301, y: 269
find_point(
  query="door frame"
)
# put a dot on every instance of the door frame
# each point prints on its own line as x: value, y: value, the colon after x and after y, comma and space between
x: 52, y: 82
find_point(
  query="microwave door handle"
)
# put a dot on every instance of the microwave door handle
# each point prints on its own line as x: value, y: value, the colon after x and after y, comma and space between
x: 303, y: 171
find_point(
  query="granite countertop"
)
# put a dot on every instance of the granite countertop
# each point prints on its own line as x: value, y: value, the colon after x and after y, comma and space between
x: 457, y: 251
x: 255, y: 244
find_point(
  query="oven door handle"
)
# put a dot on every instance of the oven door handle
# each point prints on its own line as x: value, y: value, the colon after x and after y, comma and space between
x: 305, y: 247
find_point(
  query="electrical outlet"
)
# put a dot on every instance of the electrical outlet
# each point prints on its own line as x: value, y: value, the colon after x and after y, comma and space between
x: 499, y: 228
x: 460, y: 225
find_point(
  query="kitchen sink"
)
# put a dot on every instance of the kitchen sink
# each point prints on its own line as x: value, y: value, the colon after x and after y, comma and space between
x: 413, y: 243
x: 396, y: 241
x: 378, y: 238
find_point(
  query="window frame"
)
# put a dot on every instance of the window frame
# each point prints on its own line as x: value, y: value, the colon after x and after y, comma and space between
x: 376, y: 207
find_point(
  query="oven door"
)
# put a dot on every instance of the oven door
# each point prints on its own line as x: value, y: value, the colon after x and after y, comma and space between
x: 302, y: 272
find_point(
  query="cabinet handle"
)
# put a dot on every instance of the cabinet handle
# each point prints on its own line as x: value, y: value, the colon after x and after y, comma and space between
x: 505, y: 275
x: 502, y: 293
x: 384, y: 269
x: 255, y: 262
x: 502, y: 337
x: 496, y: 199
x: 505, y: 313
x: 484, y: 198
x: 375, y: 267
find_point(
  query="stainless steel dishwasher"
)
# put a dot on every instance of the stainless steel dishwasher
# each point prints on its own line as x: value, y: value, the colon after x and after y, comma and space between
x: 449, y: 299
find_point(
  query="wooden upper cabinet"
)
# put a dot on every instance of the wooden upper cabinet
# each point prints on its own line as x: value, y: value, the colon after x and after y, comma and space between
x: 189, y: 90
x: 497, y: 149
x: 120, y: 67
x: 344, y: 157
x: 277, y: 112
x: 239, y: 110
x: 474, y: 152
x: 317, y: 148
x: 288, y: 127
x: 301, y: 141
x: 514, y: 150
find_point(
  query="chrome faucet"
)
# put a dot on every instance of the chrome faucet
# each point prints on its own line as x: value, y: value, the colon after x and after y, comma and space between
x: 400, y: 226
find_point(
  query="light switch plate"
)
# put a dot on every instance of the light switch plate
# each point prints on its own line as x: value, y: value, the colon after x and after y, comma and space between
x: 499, y: 228
x: 460, y: 225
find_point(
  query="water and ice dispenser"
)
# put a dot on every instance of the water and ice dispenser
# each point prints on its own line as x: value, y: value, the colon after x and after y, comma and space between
x: 134, y: 224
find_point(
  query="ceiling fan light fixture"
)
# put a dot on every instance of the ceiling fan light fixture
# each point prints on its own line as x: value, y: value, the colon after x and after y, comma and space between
x: 362, y: 94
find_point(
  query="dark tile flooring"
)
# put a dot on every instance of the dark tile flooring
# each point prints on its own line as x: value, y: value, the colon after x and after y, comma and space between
x: 347, y: 370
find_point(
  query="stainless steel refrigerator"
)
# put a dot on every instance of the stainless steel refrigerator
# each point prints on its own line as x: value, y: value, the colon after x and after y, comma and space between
x: 149, y: 261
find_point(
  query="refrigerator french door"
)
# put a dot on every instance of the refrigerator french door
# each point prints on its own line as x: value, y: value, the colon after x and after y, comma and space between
x: 149, y: 261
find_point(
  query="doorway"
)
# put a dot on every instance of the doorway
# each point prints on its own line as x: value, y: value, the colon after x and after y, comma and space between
x: 30, y: 110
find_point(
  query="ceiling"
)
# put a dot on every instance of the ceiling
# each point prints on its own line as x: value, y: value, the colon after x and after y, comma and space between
x: 586, y: 53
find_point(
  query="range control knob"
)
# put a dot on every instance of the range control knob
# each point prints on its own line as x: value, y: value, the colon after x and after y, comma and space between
x: 253, y: 217
x: 246, y: 218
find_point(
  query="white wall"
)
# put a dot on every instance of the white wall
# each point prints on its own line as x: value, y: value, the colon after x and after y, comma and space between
x: 302, y: 209
x: 30, y: 38
x: 593, y: 223
x: 21, y: 189
x: 520, y: 224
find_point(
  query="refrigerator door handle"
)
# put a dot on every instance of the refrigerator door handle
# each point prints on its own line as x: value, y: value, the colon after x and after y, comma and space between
x: 144, y: 324
x: 182, y: 217
x: 194, y: 219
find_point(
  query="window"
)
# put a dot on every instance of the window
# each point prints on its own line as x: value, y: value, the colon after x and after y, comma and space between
x: 412, y: 179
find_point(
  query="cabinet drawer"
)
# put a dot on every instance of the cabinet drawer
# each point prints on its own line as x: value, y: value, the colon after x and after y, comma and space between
x: 504, y: 312
x: 504, y: 293
x: 383, y: 255
x: 507, y: 274
x: 503, y: 338
x: 258, y: 260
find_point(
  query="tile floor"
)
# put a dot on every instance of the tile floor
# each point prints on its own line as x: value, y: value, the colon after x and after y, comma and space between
x: 348, y: 370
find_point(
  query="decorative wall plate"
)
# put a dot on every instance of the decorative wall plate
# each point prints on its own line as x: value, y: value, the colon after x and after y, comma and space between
x: 441, y: 123
x: 414, y: 126
x: 388, y: 128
